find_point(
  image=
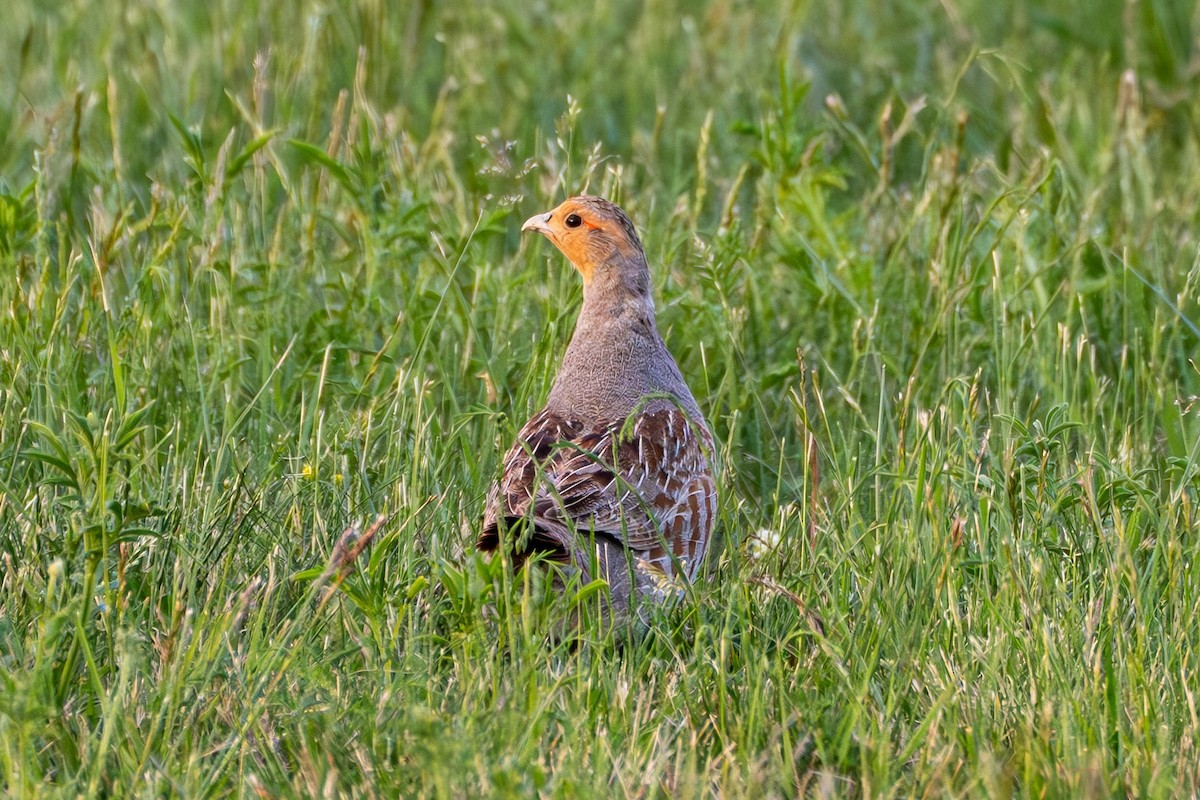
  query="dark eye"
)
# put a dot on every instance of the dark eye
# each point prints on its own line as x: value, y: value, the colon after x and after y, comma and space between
x: 573, y: 221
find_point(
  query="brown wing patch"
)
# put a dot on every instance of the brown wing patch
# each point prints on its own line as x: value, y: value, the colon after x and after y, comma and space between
x: 651, y: 489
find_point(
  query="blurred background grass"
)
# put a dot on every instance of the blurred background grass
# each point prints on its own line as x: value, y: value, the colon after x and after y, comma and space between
x: 931, y: 269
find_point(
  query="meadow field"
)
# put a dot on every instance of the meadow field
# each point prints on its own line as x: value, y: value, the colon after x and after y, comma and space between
x: 267, y: 325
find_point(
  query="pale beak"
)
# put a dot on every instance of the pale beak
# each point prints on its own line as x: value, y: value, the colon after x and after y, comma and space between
x: 539, y: 223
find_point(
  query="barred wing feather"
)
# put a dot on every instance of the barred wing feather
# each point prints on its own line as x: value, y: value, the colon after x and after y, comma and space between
x: 647, y: 485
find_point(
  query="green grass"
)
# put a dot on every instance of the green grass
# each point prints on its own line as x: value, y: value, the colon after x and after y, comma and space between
x: 931, y: 269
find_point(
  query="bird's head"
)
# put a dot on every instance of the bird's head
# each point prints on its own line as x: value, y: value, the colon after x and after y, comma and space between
x: 597, y: 238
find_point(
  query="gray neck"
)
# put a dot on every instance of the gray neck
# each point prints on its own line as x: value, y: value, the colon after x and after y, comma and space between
x: 616, y: 356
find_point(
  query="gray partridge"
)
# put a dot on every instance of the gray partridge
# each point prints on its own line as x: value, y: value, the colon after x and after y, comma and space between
x: 612, y: 476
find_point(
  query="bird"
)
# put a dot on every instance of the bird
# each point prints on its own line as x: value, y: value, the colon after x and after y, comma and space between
x: 613, y: 477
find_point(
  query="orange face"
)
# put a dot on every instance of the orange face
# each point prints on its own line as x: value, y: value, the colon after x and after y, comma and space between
x: 589, y: 232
